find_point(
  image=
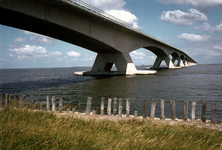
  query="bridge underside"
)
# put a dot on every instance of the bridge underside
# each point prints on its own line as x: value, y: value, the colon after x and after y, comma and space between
x: 113, y: 42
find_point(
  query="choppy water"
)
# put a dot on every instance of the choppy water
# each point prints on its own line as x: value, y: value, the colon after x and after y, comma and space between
x: 201, y: 83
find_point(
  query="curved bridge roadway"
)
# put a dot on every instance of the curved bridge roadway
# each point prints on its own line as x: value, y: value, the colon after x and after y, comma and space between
x: 78, y: 23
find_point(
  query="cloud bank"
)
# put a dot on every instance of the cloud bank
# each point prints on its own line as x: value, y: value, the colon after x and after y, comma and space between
x: 116, y: 9
x: 209, y: 29
x: 183, y: 18
x: 193, y: 37
x: 196, y: 3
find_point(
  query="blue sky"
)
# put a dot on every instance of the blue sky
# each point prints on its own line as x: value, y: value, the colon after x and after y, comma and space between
x: 194, y: 26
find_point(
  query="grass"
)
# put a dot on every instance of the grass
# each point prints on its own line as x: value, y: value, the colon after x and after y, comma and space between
x: 23, y: 129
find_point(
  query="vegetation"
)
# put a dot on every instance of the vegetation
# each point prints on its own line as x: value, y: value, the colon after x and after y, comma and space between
x: 23, y: 129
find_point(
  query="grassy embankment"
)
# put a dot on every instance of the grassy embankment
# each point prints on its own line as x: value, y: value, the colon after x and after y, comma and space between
x: 22, y: 129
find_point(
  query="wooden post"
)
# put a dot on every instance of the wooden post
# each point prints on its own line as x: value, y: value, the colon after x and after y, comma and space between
x: 193, y: 111
x: 213, y: 119
x: 16, y: 104
x: 162, y: 117
x: 89, y: 102
x: 172, y: 108
x: 114, y: 106
x: 2, y: 100
x: 144, y: 109
x: 11, y: 100
x: 31, y: 101
x: 109, y: 107
x: 53, y: 103
x: 47, y: 103
x: 73, y: 110
x: 153, y: 108
x: 61, y: 104
x: 185, y: 111
x: 120, y: 107
x: 7, y: 100
x: 204, y: 106
x: 127, y: 107
x: 22, y: 101
x: 102, y: 105
x: 135, y: 113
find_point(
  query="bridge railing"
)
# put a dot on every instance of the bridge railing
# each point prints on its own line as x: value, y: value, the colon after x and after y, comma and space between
x: 116, y: 20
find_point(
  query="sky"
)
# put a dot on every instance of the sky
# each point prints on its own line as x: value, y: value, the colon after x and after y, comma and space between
x: 194, y: 26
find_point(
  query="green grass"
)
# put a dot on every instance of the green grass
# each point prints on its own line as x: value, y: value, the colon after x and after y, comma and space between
x: 23, y: 129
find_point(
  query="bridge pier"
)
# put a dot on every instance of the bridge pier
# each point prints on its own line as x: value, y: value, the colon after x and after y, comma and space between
x: 123, y: 62
x: 159, y: 59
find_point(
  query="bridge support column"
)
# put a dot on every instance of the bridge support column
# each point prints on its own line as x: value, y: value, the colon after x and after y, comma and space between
x: 123, y: 62
x: 181, y: 64
x: 104, y: 62
x: 159, y: 59
x: 185, y: 63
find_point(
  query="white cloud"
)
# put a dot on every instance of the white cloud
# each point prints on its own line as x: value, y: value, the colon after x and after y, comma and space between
x: 183, y: 18
x: 30, y: 33
x: 136, y: 53
x: 40, y: 39
x: 203, y: 52
x: 90, y: 58
x: 106, y: 4
x: 193, y: 37
x: 125, y: 16
x: 116, y: 9
x: 11, y: 55
x: 73, y: 54
x: 217, y: 47
x: 196, y: 3
x: 206, y: 27
x: 19, y: 40
x: 27, y: 51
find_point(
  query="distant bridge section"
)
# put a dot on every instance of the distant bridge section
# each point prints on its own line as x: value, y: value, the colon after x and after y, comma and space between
x: 81, y: 24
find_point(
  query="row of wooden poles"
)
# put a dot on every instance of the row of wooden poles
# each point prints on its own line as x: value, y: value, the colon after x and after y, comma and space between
x: 13, y: 100
x: 153, y: 108
x: 10, y: 99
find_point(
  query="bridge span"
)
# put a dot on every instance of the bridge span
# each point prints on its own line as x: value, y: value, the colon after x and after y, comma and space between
x: 79, y: 23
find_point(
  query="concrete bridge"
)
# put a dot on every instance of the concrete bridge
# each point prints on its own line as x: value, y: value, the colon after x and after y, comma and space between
x: 78, y: 23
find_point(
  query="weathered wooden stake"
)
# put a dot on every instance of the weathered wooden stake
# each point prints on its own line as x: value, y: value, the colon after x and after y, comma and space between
x: 120, y: 107
x: 2, y: 100
x: 135, y: 113
x: 204, y: 106
x: 61, y: 104
x: 73, y: 110
x: 114, y: 106
x: 7, y: 100
x: 102, y: 105
x: 31, y: 101
x: 185, y: 111
x: 53, y: 103
x: 109, y: 107
x: 144, y: 109
x: 11, y: 100
x: 47, y: 102
x: 127, y: 107
x: 153, y: 108
x: 162, y: 117
x: 213, y: 119
x: 22, y: 101
x: 193, y: 111
x: 89, y: 102
x: 172, y: 108
x: 16, y: 100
